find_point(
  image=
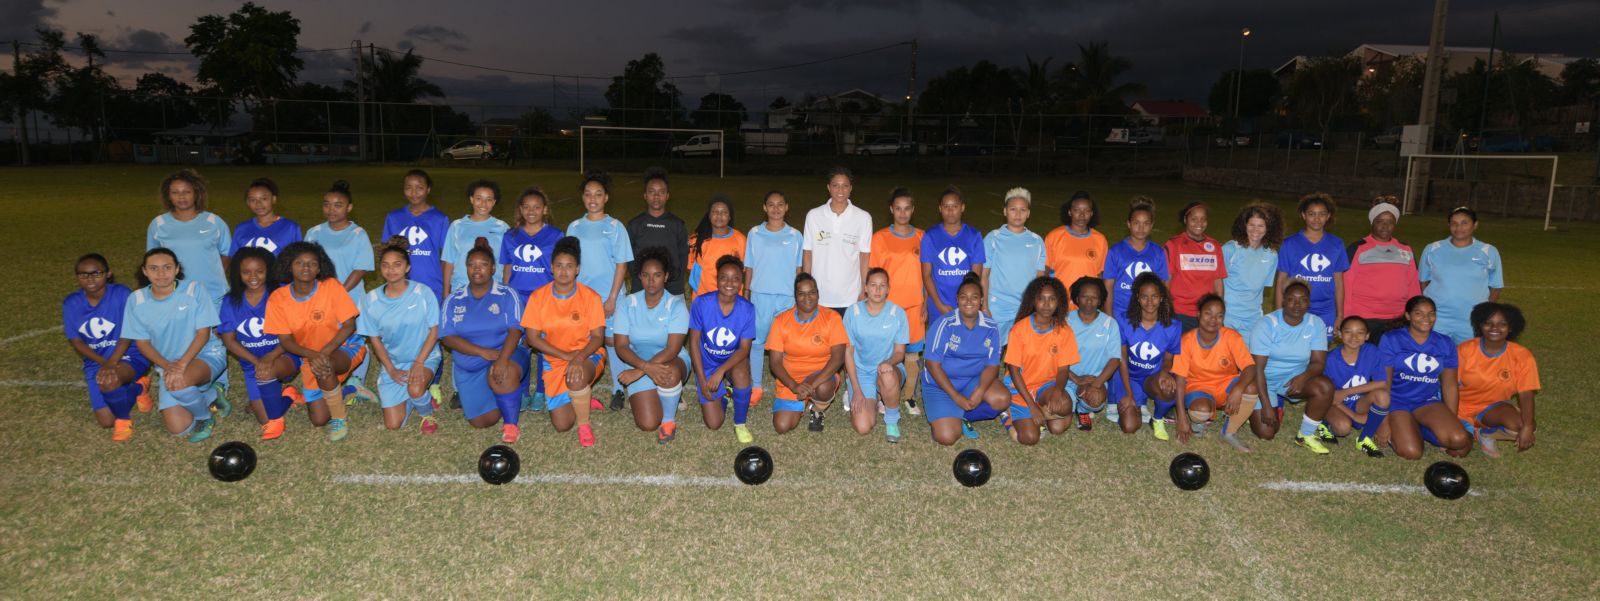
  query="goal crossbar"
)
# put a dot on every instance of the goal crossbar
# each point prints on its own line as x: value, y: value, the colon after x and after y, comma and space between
x: 1550, y: 196
x: 722, y: 142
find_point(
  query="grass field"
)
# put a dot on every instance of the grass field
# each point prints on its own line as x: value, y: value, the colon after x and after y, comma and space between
x: 1085, y: 515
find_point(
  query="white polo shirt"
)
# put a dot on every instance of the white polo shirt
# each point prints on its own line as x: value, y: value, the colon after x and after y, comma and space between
x: 836, y: 242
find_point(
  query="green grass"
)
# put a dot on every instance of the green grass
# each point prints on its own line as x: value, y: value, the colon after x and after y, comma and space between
x: 1080, y: 516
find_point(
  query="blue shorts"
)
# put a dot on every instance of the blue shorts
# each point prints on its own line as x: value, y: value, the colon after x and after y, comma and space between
x: 97, y: 399
x: 392, y: 393
x: 645, y: 383
x: 1019, y: 410
x: 1477, y: 420
x: 1194, y: 395
x: 937, y: 405
x: 1004, y: 313
x: 768, y: 306
x: 252, y: 389
x: 1408, y: 405
x: 1114, y: 389
x: 477, y: 398
x: 784, y: 405
x: 869, y: 379
x: 564, y: 398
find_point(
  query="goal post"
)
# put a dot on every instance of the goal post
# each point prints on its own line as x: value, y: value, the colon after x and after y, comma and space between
x: 1408, y: 204
x: 718, y: 148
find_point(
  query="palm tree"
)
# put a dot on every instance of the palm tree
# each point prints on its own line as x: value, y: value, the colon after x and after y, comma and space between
x: 394, y: 79
x: 1092, y: 81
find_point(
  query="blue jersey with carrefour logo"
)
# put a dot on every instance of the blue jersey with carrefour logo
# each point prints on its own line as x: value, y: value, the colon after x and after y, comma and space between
x: 527, y: 257
x: 1124, y: 264
x: 1315, y: 263
x: 1148, y: 348
x: 245, y: 321
x: 720, y: 334
x: 951, y: 257
x: 1416, y: 366
x: 425, y: 234
x: 1367, y: 369
x: 98, y: 325
x: 273, y: 238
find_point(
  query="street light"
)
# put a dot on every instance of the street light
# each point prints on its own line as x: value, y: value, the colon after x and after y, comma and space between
x: 1238, y: 75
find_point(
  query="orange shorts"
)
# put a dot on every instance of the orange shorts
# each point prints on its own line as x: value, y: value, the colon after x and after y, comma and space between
x: 918, y: 315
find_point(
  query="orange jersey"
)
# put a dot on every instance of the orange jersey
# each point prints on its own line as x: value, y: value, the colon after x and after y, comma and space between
x: 1071, y: 257
x: 702, y: 268
x: 901, y: 257
x: 806, y: 347
x: 565, y: 323
x: 1488, y: 380
x: 1212, y: 368
x: 1040, y: 355
x: 312, y: 322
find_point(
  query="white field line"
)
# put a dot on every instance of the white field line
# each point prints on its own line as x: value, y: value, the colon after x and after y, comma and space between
x: 680, y: 481
x: 42, y: 383
x: 1314, y: 487
x: 27, y: 335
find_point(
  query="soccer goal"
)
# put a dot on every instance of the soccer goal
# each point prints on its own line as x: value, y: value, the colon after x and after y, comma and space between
x: 697, y: 142
x: 1410, y: 204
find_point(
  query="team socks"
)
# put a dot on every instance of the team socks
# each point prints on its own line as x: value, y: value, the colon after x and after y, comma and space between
x: 891, y: 416
x: 335, y: 400
x: 913, y: 365
x: 616, y: 368
x: 669, y: 403
x: 1237, y: 419
x: 1375, y: 417
x: 741, y: 405
x: 423, y: 404
x: 1163, y: 408
x: 510, y: 405
x: 272, y: 399
x: 121, y: 400
x: 580, y: 404
x: 1308, y: 426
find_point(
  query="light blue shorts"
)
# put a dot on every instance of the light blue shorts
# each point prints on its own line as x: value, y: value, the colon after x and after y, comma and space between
x: 392, y: 393
x: 869, y: 380
x: 645, y: 383
x: 768, y: 306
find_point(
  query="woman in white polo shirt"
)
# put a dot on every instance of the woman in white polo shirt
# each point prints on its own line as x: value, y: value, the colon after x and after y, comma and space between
x: 838, y: 244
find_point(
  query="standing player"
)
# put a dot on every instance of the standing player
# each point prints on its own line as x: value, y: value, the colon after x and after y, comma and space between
x: 196, y: 237
x: 483, y: 326
x: 949, y: 252
x: 1251, y: 259
x: 463, y: 234
x: 1317, y: 257
x: 1076, y: 249
x: 1039, y: 362
x: 1151, y: 341
x: 838, y: 244
x: 961, y: 375
x: 897, y: 249
x: 113, y: 369
x: 425, y: 228
x: 267, y: 366
x: 721, y: 329
x: 773, y: 253
x: 1460, y: 271
x: 1099, y: 341
x: 169, y: 321
x: 1498, y: 379
x: 1217, y: 373
x: 606, y: 246
x: 1361, y: 401
x: 565, y: 322
x: 1422, y: 382
x: 1289, y: 358
x: 714, y: 238
x: 1383, y: 271
x: 525, y: 254
x: 878, y: 331
x: 1195, y: 263
x: 651, y: 328
x: 350, y: 248
x: 1015, y: 258
x: 807, y: 353
x: 657, y: 226
x: 313, y: 317
x: 265, y: 229
x: 1133, y: 255
x: 401, y: 321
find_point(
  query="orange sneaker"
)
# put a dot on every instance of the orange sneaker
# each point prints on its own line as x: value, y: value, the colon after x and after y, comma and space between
x: 585, y: 435
x: 272, y: 429
x: 122, y: 430
x: 509, y: 433
x: 144, y: 402
x: 296, y: 397
x: 755, y: 396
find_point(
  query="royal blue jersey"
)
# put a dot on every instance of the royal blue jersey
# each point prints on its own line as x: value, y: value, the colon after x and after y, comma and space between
x: 401, y: 323
x: 773, y: 258
x: 528, y: 257
x: 951, y: 257
x: 1316, y: 264
x: 426, y: 235
x: 273, y: 238
x: 873, y: 337
x: 463, y: 234
x: 1417, y: 367
x: 99, y: 326
x: 170, y: 324
x: 481, y: 321
x: 1367, y: 368
x: 1148, y: 349
x: 604, y: 244
x: 349, y: 248
x: 962, y: 352
x: 199, y: 244
x: 245, y: 321
x: 1124, y: 264
x: 720, y: 334
x: 1099, y: 342
x: 1287, y: 348
x: 647, y: 327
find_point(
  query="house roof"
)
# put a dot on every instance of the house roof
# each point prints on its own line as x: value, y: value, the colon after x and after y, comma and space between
x: 1170, y: 108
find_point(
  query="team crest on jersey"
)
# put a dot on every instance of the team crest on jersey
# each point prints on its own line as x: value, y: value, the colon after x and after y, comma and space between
x: 1210, y: 247
x: 575, y: 316
x: 816, y: 339
x: 1091, y: 253
x: 460, y: 310
x: 1505, y: 375
x: 456, y: 318
x: 1053, y: 349
x: 1224, y: 362
x: 494, y: 308
x: 316, y: 315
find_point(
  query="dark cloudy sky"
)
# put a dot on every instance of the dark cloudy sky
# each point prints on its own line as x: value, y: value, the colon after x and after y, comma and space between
x: 1178, y: 47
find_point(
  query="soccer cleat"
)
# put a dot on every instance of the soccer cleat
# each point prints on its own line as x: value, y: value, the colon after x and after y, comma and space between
x: 272, y: 429
x: 296, y: 398
x: 430, y: 424
x: 357, y: 393
x: 1085, y: 421
x: 912, y: 407
x: 743, y: 433
x: 1370, y: 447
x: 892, y: 433
x: 538, y: 403
x: 1326, y: 435
x: 815, y: 424
x: 617, y: 398
x: 509, y: 433
x: 968, y: 431
x: 1311, y: 442
x: 122, y: 430
x: 1231, y: 441
x: 143, y: 401
x: 338, y: 430
x: 755, y: 396
x: 221, y: 405
x: 1197, y: 427
x: 1486, y: 442
x: 585, y: 435
x: 1158, y: 427
x: 202, y: 431
x: 433, y: 391
x: 668, y: 431
x: 596, y: 405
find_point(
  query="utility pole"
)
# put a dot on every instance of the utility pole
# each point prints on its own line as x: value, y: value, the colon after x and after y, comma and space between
x: 1429, y: 111
x: 1488, y: 74
x: 911, y: 106
x: 22, y: 114
x: 361, y: 102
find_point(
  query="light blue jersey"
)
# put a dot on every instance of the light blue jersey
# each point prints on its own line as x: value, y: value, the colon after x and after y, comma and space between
x: 170, y: 324
x: 199, y: 244
x: 604, y: 245
x: 349, y: 248
x: 1250, y: 272
x: 273, y: 238
x: 1287, y: 348
x: 1457, y: 279
x: 1098, y: 343
x: 872, y: 337
x: 400, y: 323
x: 1013, y: 261
x: 772, y: 258
x: 646, y: 327
x: 460, y: 238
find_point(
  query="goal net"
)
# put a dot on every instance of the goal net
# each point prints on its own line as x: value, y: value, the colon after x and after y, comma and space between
x: 1499, y: 182
x: 606, y: 141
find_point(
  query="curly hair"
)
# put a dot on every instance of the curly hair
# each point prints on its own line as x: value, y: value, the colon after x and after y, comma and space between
x: 143, y: 281
x: 596, y: 176
x: 1321, y: 198
x: 1163, y: 312
x: 494, y: 188
x: 654, y: 173
x: 283, y: 268
x: 235, y: 293
x: 661, y: 256
x: 527, y: 193
x: 1514, y: 319
x: 194, y: 180
x: 1094, y: 209
x: 1208, y: 298
x: 1088, y: 281
x: 1031, y: 294
x: 396, y: 244
x: 1268, y: 213
x: 1142, y: 203
x: 570, y: 246
x: 264, y: 183
x: 341, y: 188
x: 726, y: 260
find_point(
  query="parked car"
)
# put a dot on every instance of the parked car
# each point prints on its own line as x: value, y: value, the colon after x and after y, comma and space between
x: 1298, y: 140
x: 469, y: 150
x: 883, y: 145
x: 1390, y: 138
x: 1144, y: 136
x: 1239, y: 140
x: 701, y: 145
x: 1504, y: 143
x: 971, y: 143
